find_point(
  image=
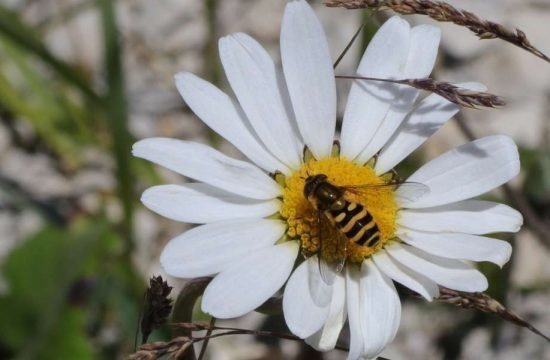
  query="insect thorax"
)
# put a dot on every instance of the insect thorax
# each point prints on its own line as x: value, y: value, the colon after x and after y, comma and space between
x: 329, y: 197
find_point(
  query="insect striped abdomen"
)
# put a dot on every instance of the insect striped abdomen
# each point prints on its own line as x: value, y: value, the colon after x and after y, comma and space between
x: 357, y: 224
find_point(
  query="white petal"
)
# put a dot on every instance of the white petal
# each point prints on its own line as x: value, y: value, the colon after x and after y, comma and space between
x: 253, y: 77
x: 458, y: 246
x: 428, y: 116
x: 248, y: 283
x: 424, y: 43
x: 224, y: 116
x: 414, y: 281
x: 325, y: 339
x: 309, y: 76
x: 320, y: 291
x: 288, y: 106
x: 302, y: 314
x: 200, y: 203
x: 450, y: 273
x: 355, y: 316
x: 423, y: 51
x: 381, y: 309
x: 205, y: 164
x: 211, y: 248
x: 467, y: 171
x: 469, y: 216
x: 369, y: 101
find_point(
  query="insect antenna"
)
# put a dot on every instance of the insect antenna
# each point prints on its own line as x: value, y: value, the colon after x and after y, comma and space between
x: 307, y: 173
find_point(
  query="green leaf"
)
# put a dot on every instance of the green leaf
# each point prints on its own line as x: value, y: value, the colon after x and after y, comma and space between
x: 69, y: 341
x: 36, y: 321
x: 537, y: 179
x: 187, y: 305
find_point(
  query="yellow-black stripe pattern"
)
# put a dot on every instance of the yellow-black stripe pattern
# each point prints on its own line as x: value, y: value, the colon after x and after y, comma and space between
x: 356, y: 223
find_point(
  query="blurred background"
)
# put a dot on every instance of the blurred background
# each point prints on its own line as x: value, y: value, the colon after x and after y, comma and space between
x: 81, y: 80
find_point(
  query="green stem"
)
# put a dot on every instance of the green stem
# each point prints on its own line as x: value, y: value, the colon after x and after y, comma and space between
x: 117, y: 116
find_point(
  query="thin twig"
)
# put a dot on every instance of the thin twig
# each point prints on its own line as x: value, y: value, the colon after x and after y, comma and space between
x: 199, y: 326
x: 179, y: 345
x: 485, y: 303
x: 348, y: 46
x: 441, y: 11
x: 457, y: 95
x: 208, y: 334
x: 478, y: 301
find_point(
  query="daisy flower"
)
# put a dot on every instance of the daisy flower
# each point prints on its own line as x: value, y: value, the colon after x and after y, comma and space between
x: 256, y: 222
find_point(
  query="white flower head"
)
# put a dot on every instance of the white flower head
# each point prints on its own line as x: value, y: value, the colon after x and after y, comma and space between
x: 253, y: 228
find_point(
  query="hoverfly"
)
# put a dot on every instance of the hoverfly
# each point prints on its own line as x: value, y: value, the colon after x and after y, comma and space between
x: 351, y: 220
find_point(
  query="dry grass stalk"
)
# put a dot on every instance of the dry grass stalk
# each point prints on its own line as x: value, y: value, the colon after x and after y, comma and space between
x: 441, y: 11
x: 460, y: 96
x: 178, y: 346
x: 484, y: 303
x: 174, y: 349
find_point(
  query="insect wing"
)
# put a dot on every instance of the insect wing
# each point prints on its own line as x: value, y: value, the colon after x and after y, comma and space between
x: 408, y: 191
x: 318, y: 287
x: 328, y: 271
x: 411, y: 191
x: 328, y: 233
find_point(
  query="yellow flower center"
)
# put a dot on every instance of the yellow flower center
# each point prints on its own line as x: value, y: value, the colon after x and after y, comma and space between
x: 304, y: 220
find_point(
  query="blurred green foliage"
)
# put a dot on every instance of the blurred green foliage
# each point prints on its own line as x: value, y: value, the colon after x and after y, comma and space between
x: 70, y: 282
x: 536, y: 164
x: 41, y: 322
x: 74, y: 292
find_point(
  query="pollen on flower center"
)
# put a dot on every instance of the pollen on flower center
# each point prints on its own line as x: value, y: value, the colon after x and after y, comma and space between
x: 303, y: 218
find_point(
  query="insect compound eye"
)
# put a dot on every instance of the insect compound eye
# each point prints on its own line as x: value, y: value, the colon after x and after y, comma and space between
x: 309, y: 187
x: 311, y: 183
